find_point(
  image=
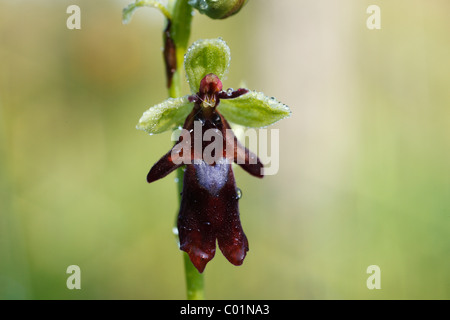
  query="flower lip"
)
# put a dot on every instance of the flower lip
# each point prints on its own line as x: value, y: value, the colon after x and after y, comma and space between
x: 209, y: 209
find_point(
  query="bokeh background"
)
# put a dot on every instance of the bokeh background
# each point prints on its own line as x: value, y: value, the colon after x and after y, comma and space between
x: 364, y: 160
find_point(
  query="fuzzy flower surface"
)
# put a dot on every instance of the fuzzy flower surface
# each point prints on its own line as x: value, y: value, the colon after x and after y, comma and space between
x: 207, y: 147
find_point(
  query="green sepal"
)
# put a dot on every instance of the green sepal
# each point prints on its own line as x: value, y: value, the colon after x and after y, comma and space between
x: 205, y: 57
x: 253, y: 110
x: 165, y: 116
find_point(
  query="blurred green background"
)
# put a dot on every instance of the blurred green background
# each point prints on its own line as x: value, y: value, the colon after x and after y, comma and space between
x: 364, y: 159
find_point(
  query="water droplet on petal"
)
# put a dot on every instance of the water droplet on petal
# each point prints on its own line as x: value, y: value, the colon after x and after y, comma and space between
x: 238, y: 193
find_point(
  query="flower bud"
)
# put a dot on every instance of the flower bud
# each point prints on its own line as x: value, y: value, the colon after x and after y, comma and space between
x: 218, y: 9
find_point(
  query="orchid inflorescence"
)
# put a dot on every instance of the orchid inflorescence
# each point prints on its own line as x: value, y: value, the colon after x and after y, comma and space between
x: 209, y: 210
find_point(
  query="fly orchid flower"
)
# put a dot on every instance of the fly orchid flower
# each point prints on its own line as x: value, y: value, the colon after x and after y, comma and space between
x: 209, y: 210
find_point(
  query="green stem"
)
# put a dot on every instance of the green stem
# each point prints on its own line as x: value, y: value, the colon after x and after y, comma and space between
x: 180, y: 32
x: 194, y: 281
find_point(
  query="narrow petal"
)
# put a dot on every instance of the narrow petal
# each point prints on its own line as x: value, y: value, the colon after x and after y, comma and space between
x: 242, y: 156
x: 163, y: 167
x: 250, y: 161
x: 232, y: 94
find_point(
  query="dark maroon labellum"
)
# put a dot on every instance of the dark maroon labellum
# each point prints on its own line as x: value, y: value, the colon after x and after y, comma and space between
x: 209, y: 208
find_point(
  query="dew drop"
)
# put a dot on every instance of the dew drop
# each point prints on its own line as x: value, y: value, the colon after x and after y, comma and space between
x: 175, y: 231
x: 230, y: 92
x: 203, y: 5
x: 238, y: 193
